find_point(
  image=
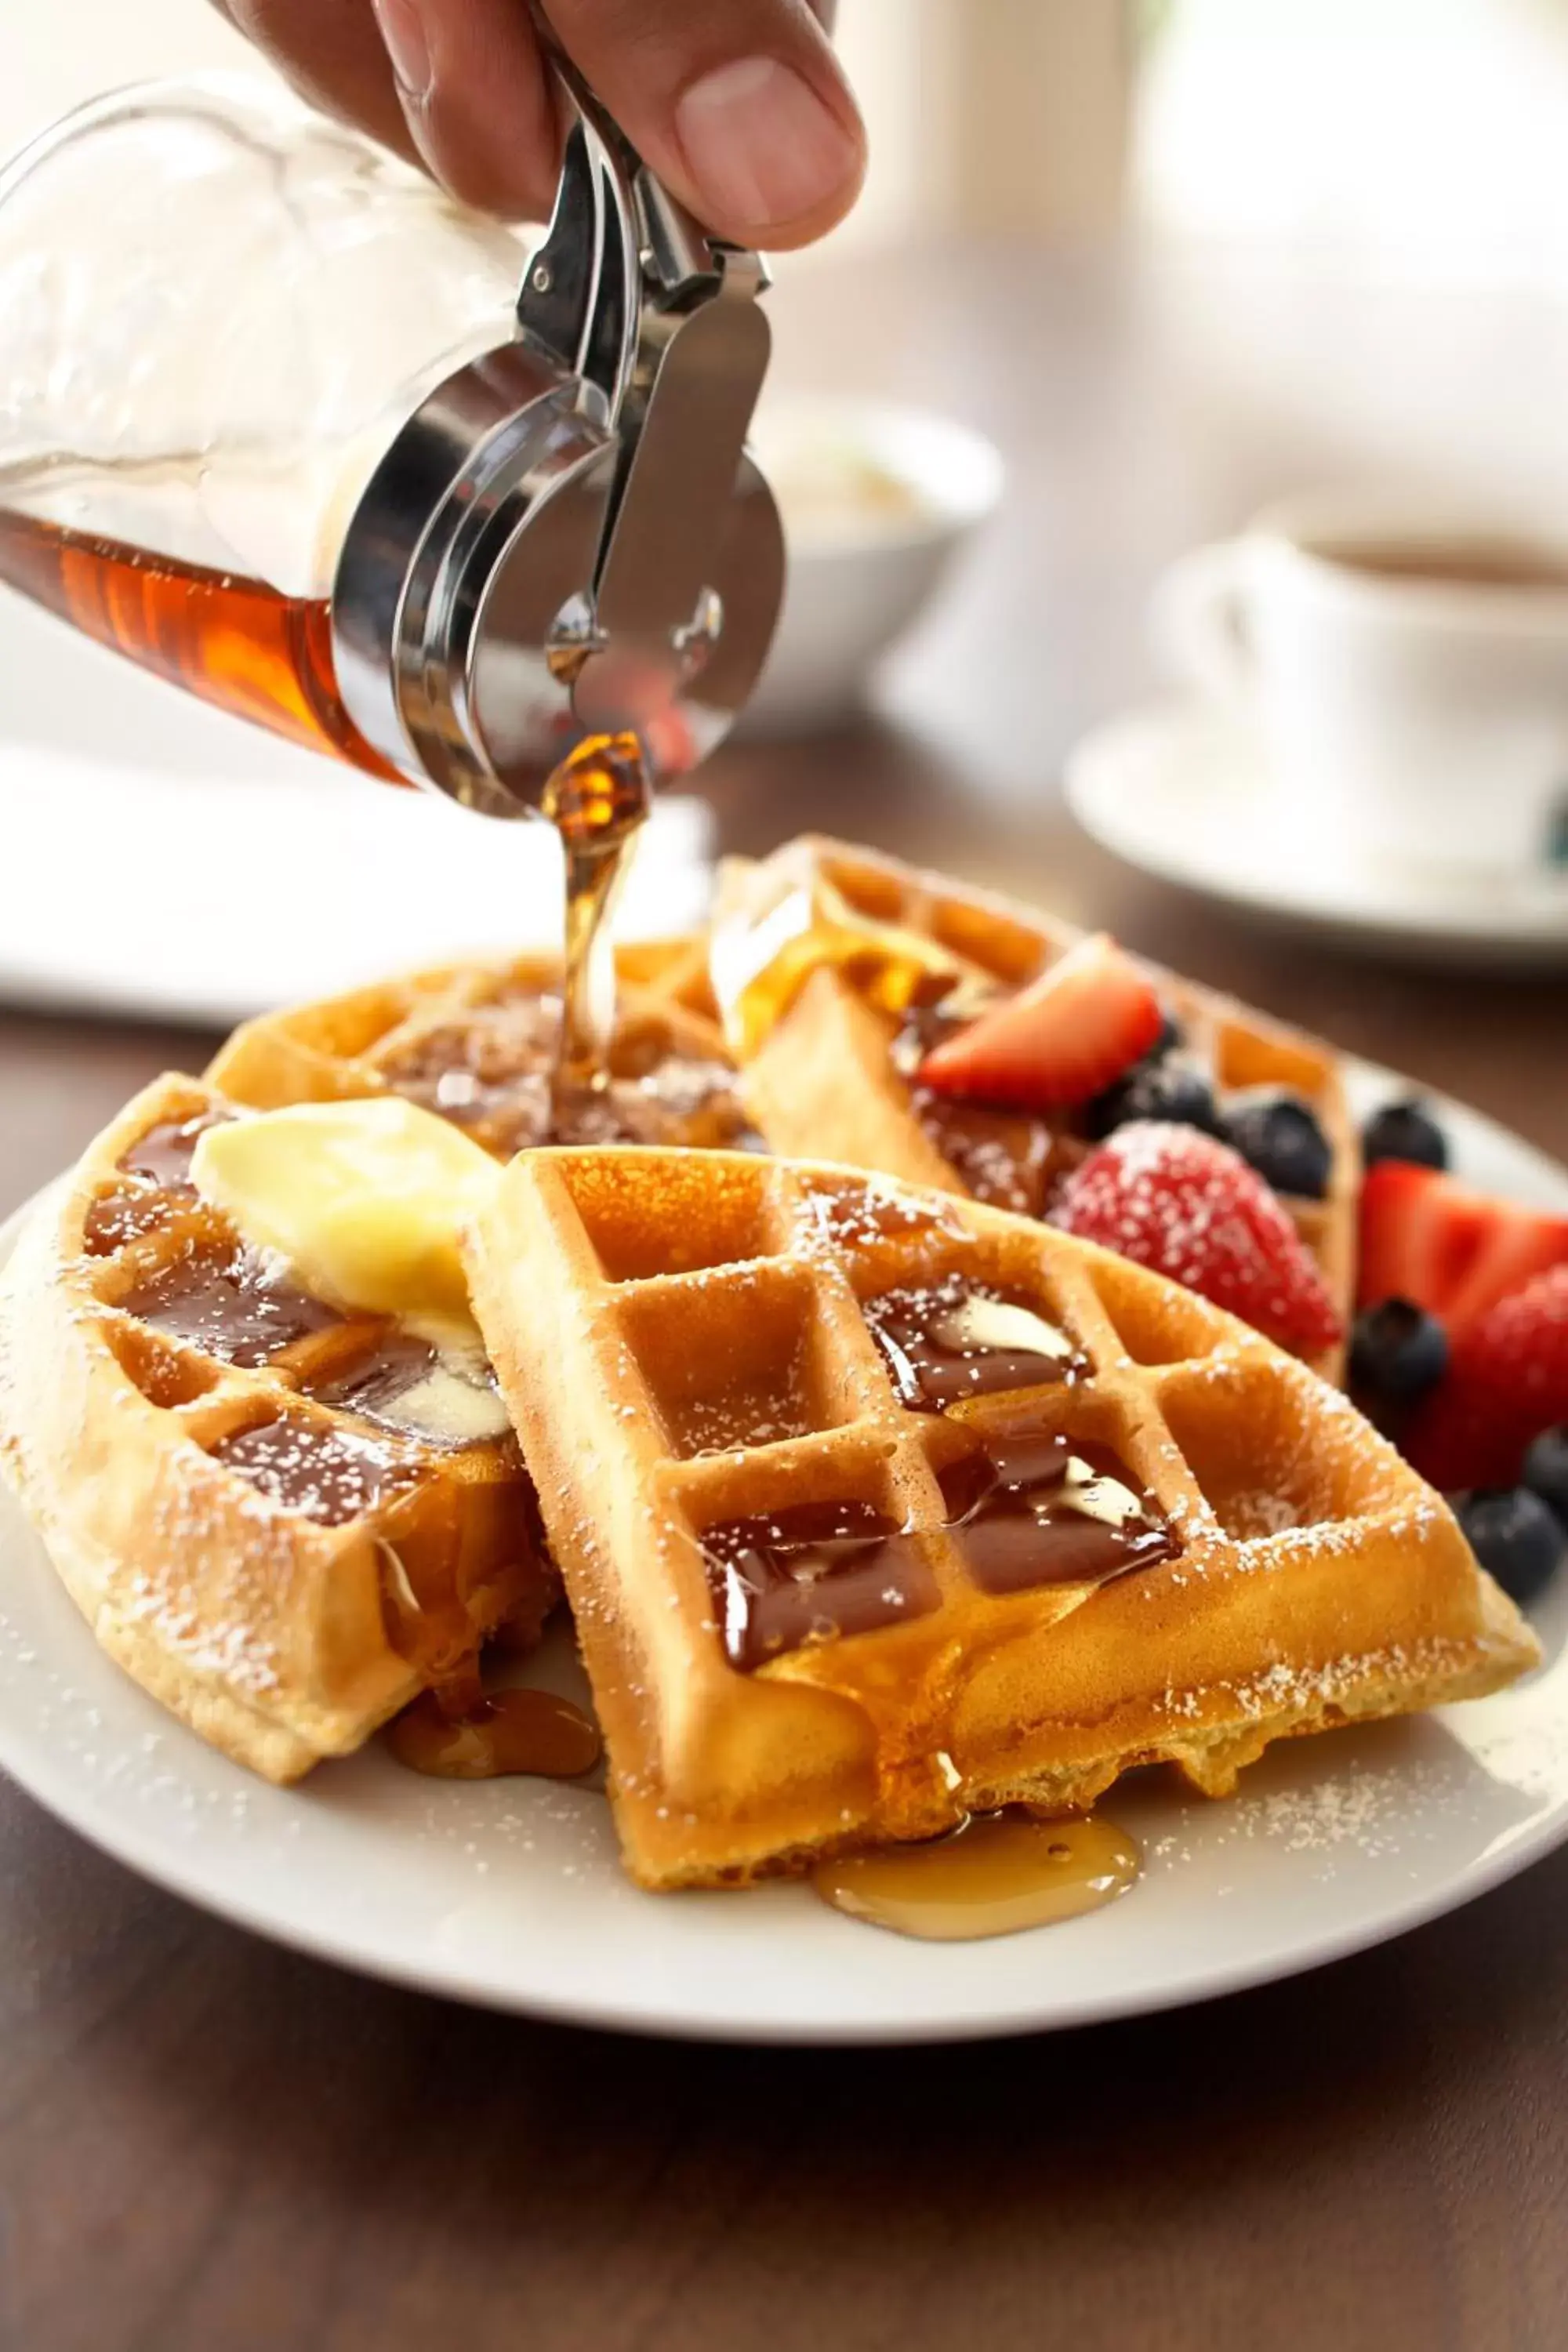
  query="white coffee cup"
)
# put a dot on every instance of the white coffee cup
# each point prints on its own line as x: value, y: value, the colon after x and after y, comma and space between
x: 1409, y: 671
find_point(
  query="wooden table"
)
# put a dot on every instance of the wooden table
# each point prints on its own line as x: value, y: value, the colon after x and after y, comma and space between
x: 208, y: 2144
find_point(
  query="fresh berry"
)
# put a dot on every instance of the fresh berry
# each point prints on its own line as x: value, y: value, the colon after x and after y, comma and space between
x: 1546, y: 1469
x: 1398, y: 1352
x: 1404, y: 1131
x: 1507, y: 1381
x: 1087, y: 1018
x: 1171, y: 1039
x: 1277, y: 1133
x: 1192, y: 1208
x: 1169, y: 1089
x: 1514, y: 1535
x: 1455, y: 1252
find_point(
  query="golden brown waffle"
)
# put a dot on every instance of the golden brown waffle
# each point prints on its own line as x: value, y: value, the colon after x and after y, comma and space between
x: 707, y: 1320
x: 477, y: 1043
x: 224, y: 1470
x: 822, y: 1058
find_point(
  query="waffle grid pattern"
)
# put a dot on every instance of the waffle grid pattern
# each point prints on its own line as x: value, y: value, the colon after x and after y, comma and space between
x: 717, y: 1307
x: 478, y: 1024
x: 338, y: 1562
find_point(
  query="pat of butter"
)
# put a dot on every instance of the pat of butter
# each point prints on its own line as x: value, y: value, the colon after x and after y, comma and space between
x: 363, y: 1200
x: 777, y: 923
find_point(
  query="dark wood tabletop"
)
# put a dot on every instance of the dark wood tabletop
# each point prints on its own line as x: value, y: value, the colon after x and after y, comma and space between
x: 209, y: 2145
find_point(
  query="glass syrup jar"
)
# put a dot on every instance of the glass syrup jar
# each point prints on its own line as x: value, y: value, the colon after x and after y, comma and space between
x: 276, y: 423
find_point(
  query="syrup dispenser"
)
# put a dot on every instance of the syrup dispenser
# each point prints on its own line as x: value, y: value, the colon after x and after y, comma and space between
x: 276, y: 422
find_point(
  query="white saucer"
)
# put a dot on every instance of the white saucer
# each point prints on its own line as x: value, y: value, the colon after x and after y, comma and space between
x: 1180, y: 791
x: 510, y: 1893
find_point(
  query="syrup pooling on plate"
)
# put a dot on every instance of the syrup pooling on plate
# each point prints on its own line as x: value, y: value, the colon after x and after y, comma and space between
x: 331, y: 1475
x: 959, y: 1338
x: 223, y: 1302
x: 1031, y: 1506
x: 812, y: 1571
x: 511, y: 1732
x: 994, y: 1874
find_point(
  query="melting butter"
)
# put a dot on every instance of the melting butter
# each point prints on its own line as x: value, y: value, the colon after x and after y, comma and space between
x: 996, y: 1326
x: 450, y: 1404
x: 363, y: 1201
x: 1094, y: 1495
x: 778, y: 923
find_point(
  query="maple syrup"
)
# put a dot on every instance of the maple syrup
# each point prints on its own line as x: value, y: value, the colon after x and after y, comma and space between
x: 812, y: 1571
x: 217, y: 1301
x: 231, y: 641
x: 1009, y: 1160
x: 958, y: 1339
x: 333, y: 1476
x: 598, y: 801
x: 1031, y: 1506
x: 994, y: 1875
x: 260, y: 655
x: 511, y: 1731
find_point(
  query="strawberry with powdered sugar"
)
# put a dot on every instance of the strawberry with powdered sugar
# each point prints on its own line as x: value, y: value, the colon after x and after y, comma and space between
x: 1186, y: 1206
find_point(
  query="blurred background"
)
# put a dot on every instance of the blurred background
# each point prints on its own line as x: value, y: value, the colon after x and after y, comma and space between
x: 1170, y: 258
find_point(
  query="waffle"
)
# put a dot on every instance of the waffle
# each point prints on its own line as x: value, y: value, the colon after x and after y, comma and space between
x: 237, y: 1483
x: 832, y: 962
x: 1235, y: 1557
x: 477, y: 1043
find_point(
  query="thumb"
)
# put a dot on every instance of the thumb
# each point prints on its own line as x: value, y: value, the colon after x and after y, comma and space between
x: 738, y: 105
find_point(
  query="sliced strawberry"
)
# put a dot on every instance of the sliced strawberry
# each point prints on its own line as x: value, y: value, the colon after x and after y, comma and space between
x: 1507, y: 1381
x: 1452, y: 1251
x: 1087, y: 1018
x: 1178, y: 1201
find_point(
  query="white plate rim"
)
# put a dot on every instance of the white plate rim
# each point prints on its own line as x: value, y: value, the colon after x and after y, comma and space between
x: 55, y: 1778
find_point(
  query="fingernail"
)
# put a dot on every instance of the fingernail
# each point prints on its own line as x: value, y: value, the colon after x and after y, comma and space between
x: 761, y: 145
x: 403, y: 30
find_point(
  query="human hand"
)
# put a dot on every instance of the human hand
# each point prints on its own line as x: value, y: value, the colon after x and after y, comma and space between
x: 738, y: 105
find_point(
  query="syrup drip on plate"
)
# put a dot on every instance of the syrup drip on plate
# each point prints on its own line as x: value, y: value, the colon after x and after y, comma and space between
x: 598, y: 801
x: 511, y: 1732
x: 994, y: 1875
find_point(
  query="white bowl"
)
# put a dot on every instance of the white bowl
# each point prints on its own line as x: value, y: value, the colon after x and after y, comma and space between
x: 876, y: 502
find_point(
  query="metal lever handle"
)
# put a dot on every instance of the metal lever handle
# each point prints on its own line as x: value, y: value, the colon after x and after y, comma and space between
x: 680, y: 366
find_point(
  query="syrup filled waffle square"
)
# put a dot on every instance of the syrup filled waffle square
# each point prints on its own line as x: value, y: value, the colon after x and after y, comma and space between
x: 876, y: 1508
x: 282, y: 1520
x: 478, y: 1043
x: 839, y: 969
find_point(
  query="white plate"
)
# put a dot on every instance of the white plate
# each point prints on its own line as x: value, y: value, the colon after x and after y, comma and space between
x: 509, y: 1892
x: 1180, y: 791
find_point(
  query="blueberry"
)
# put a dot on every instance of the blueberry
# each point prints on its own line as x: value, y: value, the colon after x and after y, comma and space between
x: 1168, y: 1089
x: 1171, y: 1039
x: 1546, y: 1469
x: 1404, y: 1131
x: 1514, y: 1535
x: 1398, y: 1352
x: 1279, y: 1136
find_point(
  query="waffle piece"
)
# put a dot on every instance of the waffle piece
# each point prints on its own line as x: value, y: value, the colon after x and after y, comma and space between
x: 848, y: 1560
x: 275, y: 1517
x: 477, y: 1043
x: 840, y: 969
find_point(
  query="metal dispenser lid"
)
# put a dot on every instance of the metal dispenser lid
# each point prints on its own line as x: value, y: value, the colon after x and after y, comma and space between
x: 567, y: 539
